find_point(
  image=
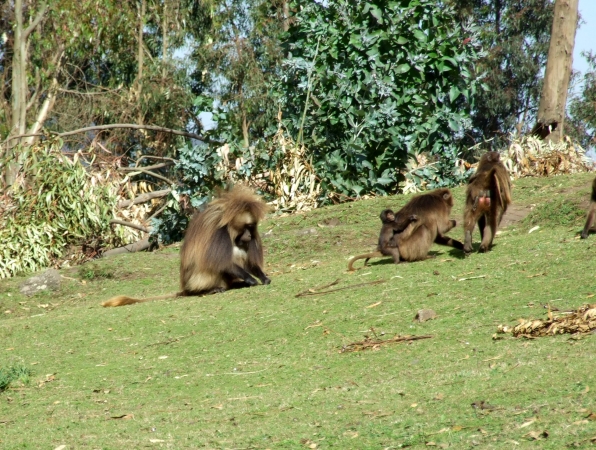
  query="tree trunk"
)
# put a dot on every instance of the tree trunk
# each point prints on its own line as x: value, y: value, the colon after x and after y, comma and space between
x: 140, y: 62
x: 19, y: 87
x: 164, y: 38
x: 551, y: 112
x: 286, y: 14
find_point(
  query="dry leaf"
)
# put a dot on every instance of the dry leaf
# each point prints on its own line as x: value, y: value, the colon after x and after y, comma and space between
x: 583, y: 320
x: 528, y: 423
x: 536, y: 435
x: 457, y: 428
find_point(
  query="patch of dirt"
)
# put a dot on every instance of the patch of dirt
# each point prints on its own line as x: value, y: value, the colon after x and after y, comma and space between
x: 515, y: 214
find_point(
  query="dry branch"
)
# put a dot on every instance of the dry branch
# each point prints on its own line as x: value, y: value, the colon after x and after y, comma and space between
x: 119, y: 125
x: 373, y: 344
x: 150, y: 173
x: 131, y: 248
x: 313, y: 292
x: 154, y: 166
x: 130, y: 225
x: 144, y: 198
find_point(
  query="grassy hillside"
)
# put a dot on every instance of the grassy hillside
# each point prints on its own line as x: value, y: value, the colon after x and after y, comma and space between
x: 261, y: 368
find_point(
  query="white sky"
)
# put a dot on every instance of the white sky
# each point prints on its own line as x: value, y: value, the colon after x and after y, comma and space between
x: 585, y: 37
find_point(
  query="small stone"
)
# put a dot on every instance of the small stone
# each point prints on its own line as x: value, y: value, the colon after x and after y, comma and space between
x: 425, y: 314
x: 307, y: 231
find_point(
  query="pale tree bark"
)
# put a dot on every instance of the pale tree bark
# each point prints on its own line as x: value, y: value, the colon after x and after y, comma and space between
x: 164, y: 37
x: 19, y: 86
x: 140, y: 61
x: 551, y: 111
x: 286, y: 13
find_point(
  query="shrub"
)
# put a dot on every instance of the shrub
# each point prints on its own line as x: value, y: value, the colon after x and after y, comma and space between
x: 370, y: 83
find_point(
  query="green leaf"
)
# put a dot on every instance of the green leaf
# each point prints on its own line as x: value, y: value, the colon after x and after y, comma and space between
x: 453, y: 93
x: 402, y: 68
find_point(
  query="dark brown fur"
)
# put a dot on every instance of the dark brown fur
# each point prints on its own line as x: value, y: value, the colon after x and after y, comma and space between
x: 426, y: 219
x: 591, y: 216
x: 222, y: 248
x: 487, y: 197
x: 433, y: 210
x: 387, y: 245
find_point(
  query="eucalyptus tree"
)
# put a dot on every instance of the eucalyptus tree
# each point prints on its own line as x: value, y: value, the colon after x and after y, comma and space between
x: 515, y: 35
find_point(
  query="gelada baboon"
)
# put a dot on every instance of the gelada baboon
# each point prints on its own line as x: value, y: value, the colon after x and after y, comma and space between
x: 387, y: 246
x: 591, y: 213
x: 431, y: 212
x: 487, y: 198
x: 221, y: 249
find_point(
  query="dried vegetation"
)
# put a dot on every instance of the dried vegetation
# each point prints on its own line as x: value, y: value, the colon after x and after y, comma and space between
x: 582, y: 320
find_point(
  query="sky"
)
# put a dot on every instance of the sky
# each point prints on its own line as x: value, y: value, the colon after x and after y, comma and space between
x: 585, y: 36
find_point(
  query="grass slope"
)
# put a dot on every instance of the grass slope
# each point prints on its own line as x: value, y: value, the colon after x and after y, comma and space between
x: 260, y: 368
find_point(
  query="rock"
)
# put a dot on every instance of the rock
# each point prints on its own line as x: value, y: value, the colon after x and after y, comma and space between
x: 48, y: 280
x: 425, y: 314
x: 307, y: 231
x: 331, y: 222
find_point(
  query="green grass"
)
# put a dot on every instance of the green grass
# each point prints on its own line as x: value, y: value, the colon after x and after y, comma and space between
x: 260, y: 368
x: 8, y: 375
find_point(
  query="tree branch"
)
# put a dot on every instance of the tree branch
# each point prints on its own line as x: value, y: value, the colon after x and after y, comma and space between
x: 36, y: 21
x: 154, y: 166
x: 148, y: 172
x: 130, y: 225
x: 144, y: 198
x: 122, y: 125
x: 131, y: 248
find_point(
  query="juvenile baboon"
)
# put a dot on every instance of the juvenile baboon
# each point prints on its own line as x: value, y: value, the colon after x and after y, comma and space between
x: 221, y: 249
x: 387, y: 245
x: 591, y: 213
x: 487, y: 197
x: 427, y: 218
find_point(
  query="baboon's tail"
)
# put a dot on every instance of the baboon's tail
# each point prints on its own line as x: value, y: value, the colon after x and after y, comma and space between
x: 122, y: 300
x: 366, y: 256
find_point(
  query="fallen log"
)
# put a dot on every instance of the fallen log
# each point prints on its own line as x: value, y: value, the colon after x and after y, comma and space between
x: 130, y: 248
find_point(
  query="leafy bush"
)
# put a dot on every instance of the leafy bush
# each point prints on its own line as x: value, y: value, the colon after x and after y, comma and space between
x: 370, y: 83
x: 54, y: 204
